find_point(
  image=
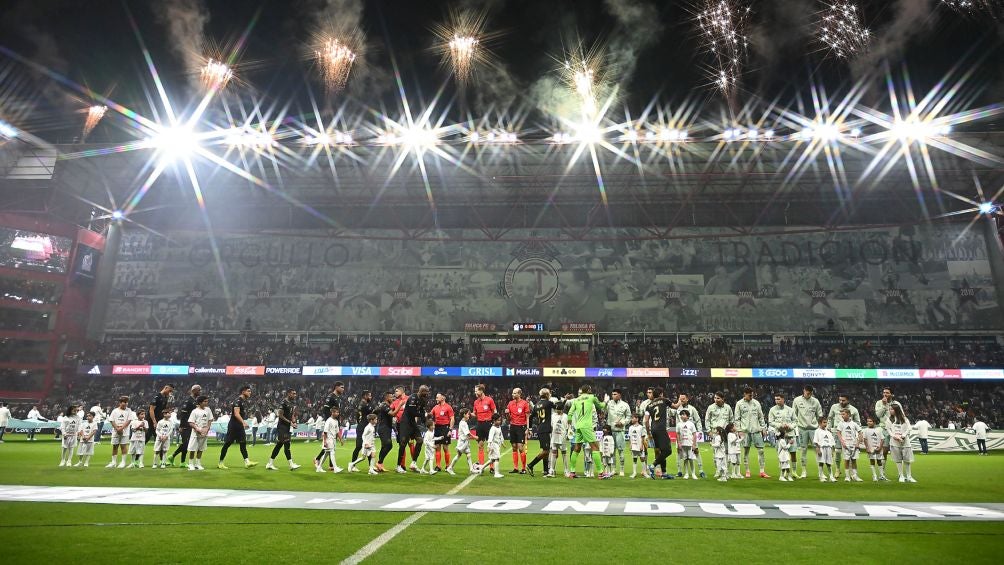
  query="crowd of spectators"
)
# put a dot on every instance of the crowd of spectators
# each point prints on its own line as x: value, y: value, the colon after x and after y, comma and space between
x: 396, y: 350
x: 29, y: 291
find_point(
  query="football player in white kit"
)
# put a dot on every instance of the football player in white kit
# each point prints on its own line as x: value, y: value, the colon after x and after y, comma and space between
x: 120, y: 417
x: 463, y: 441
x: 137, y: 441
x: 874, y: 446
x: 200, y: 420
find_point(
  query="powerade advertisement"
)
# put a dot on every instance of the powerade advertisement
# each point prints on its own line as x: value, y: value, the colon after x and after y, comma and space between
x: 531, y: 372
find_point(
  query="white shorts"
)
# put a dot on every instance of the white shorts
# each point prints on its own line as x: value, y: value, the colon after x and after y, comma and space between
x: 850, y: 453
x: 120, y: 438
x: 85, y: 448
x: 493, y: 453
x: 137, y: 447
x: 720, y: 462
x: 786, y: 464
x: 734, y: 458
x: 876, y: 456
x: 463, y: 447
x: 902, y: 454
x: 162, y: 445
x: 825, y: 455
x: 197, y: 443
x: 329, y: 445
x: 639, y: 453
x: 558, y: 442
x: 687, y: 453
x: 69, y: 442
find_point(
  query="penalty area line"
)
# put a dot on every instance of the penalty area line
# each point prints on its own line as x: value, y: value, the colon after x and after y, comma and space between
x: 381, y: 540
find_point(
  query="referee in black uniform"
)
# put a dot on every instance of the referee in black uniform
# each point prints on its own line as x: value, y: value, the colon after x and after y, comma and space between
x: 186, y: 429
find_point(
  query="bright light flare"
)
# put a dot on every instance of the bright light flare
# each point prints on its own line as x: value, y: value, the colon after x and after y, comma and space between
x: 723, y: 29
x: 335, y: 59
x: 173, y: 143
x: 494, y: 137
x: 7, y: 130
x: 216, y: 75
x: 417, y: 138
x: 987, y: 208
x: 94, y: 115
x: 912, y: 129
x: 976, y: 8
x: 249, y: 138
x: 117, y: 215
x: 580, y: 76
x: 841, y: 31
x: 326, y: 139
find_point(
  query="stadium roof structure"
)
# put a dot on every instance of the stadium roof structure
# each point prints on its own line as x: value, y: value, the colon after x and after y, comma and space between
x: 738, y: 184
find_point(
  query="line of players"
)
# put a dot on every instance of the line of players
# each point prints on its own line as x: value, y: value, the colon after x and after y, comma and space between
x: 557, y: 424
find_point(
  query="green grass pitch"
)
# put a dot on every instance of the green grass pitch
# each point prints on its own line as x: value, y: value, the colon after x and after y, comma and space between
x: 48, y: 532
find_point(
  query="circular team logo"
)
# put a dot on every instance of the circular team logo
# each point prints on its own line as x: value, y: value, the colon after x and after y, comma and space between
x: 532, y: 280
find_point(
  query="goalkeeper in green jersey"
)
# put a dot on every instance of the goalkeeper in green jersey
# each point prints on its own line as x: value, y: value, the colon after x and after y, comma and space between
x: 580, y: 417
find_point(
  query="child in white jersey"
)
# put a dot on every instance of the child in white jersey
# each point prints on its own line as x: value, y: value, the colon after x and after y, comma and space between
x: 85, y: 447
x: 783, y: 455
x: 607, y: 448
x: 69, y: 427
x: 824, y: 442
x: 463, y: 441
x: 429, y: 448
x: 559, y: 439
x: 495, y: 440
x: 164, y: 430
x: 638, y: 440
x: 734, y: 445
x: 331, y: 436
x: 874, y: 445
x: 720, y: 448
x: 200, y: 420
x: 137, y: 441
x: 850, y: 437
x: 369, y: 444
x: 900, y: 445
x: 686, y: 441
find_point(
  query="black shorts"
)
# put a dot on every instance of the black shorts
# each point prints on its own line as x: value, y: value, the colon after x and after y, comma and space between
x: 443, y: 434
x: 545, y: 440
x: 662, y: 443
x: 517, y: 434
x: 407, y: 433
x: 283, y: 435
x: 236, y: 435
x: 483, y: 428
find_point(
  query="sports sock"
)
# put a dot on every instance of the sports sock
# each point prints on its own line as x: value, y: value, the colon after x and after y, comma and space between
x: 439, y: 458
x: 575, y: 460
x: 446, y: 456
x: 522, y: 458
x: 552, y: 459
x: 515, y: 459
x: 760, y: 458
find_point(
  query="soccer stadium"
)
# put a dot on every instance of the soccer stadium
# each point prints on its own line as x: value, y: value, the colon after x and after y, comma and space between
x: 321, y: 280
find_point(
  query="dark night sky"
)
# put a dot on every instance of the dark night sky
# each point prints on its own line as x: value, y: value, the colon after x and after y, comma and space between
x: 92, y: 43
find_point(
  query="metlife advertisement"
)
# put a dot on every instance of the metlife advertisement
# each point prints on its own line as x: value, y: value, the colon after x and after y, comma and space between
x: 248, y: 371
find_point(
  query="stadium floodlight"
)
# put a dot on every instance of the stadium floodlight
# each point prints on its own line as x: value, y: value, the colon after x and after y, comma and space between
x: 588, y: 133
x: 912, y: 129
x: 493, y: 137
x: 7, y: 130
x: 987, y: 208
x: 326, y: 139
x: 856, y: 133
x: 630, y: 136
x: 249, y: 138
x: 561, y: 138
x: 117, y: 215
x: 173, y: 143
x: 823, y: 132
x: 418, y: 138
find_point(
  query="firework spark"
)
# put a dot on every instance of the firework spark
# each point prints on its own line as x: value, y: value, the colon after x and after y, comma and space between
x: 335, y: 59
x: 462, y: 43
x: 580, y: 75
x: 976, y: 8
x: 463, y: 52
x: 723, y: 29
x: 841, y: 31
x: 216, y: 75
x: 94, y: 115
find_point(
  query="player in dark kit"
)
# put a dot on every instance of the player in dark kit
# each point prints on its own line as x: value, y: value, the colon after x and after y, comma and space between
x: 334, y: 400
x: 156, y: 410
x: 186, y: 429
x: 656, y: 422
x: 542, y: 418
x: 385, y: 423
x: 363, y: 411
x: 414, y: 410
x: 284, y: 431
x: 235, y: 430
